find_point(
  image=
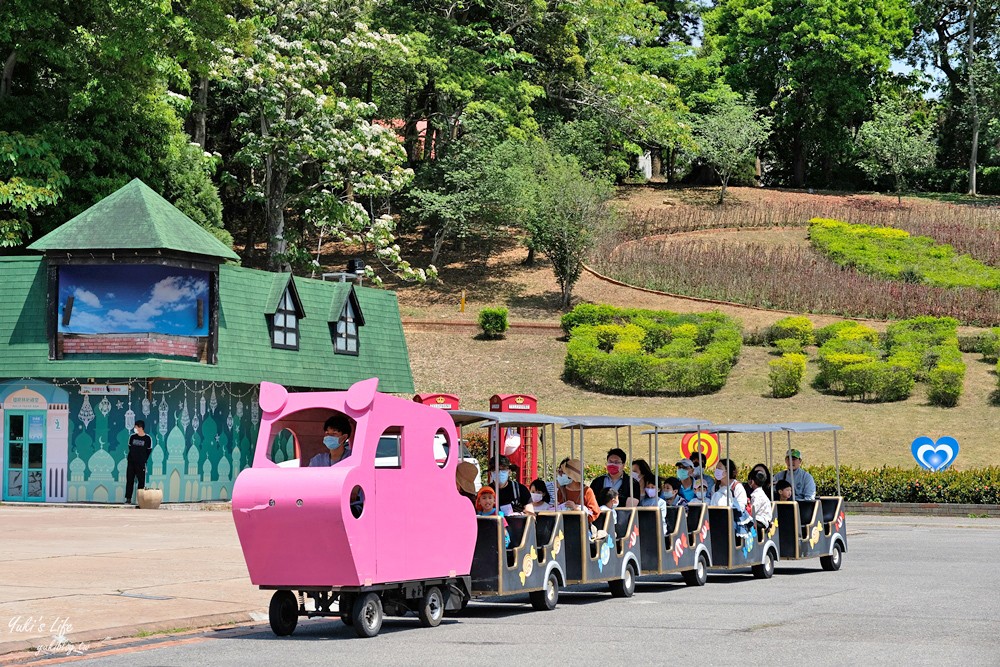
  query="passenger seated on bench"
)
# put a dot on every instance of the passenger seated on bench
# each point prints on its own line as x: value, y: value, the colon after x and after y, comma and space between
x: 767, y: 479
x: 336, y: 439
x: 685, y: 475
x: 569, y: 477
x: 609, y: 501
x: 762, y: 510
x: 701, y: 494
x: 541, y: 501
x: 804, y: 486
x: 670, y: 491
x: 700, y: 473
x: 652, y: 499
x: 486, y: 505
x: 725, y: 476
x: 783, y: 489
x: 627, y: 487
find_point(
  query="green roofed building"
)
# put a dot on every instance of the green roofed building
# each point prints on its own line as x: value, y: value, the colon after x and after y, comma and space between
x: 132, y: 314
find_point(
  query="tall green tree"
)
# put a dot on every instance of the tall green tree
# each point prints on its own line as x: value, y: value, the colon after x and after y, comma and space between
x: 729, y: 137
x: 817, y: 66
x: 894, y: 142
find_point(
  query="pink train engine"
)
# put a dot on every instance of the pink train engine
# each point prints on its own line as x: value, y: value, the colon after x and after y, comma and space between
x: 381, y: 530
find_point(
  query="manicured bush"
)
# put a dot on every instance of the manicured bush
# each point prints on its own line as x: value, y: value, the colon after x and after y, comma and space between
x: 613, y: 350
x: 988, y: 344
x: 785, y: 375
x: 894, y: 254
x: 788, y: 346
x: 835, y: 355
x: 848, y: 330
x: 493, y: 322
x: 945, y: 383
x: 910, y: 485
x: 877, y: 381
x: 797, y: 327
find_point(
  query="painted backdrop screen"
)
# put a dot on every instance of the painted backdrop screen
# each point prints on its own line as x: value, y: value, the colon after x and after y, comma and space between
x: 133, y: 298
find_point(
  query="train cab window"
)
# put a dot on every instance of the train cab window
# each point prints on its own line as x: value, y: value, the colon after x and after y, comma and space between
x: 442, y: 447
x: 389, y: 451
x: 282, y: 448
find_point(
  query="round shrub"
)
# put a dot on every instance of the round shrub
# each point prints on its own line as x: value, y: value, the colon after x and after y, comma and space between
x: 945, y: 383
x: 785, y: 375
x: 788, y: 346
x: 848, y: 330
x: 493, y: 322
x: 796, y: 327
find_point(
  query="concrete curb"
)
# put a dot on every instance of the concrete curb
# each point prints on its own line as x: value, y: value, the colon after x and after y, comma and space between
x: 31, y: 646
x: 924, y: 509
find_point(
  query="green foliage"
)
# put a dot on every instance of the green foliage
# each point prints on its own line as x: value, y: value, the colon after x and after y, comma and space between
x: 796, y: 327
x: 913, y: 485
x: 785, y: 374
x: 846, y: 329
x: 188, y: 186
x: 493, y: 322
x: 30, y: 180
x: 788, y: 346
x: 989, y: 345
x: 892, y: 142
x: 945, y: 383
x: 633, y: 352
x: 894, y: 254
x: 729, y: 136
x: 877, y: 381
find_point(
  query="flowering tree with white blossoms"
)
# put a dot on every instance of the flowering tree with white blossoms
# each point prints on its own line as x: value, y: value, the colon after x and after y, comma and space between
x: 313, y: 150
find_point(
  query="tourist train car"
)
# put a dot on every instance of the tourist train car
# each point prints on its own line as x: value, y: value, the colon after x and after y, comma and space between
x: 382, y: 530
x: 535, y: 561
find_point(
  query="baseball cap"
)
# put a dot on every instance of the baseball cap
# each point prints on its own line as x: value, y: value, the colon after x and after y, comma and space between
x: 794, y: 453
x: 684, y: 463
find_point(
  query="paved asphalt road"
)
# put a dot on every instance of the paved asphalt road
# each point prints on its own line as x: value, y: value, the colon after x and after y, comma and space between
x: 912, y: 591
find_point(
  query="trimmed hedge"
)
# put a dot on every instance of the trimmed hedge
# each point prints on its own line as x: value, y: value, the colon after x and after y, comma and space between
x: 922, y: 349
x: 785, y: 375
x: 894, y: 254
x: 493, y: 322
x: 911, y: 485
x: 633, y: 352
x: 795, y: 327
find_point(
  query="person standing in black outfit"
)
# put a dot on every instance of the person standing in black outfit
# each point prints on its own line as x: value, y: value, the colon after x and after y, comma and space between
x: 139, y: 447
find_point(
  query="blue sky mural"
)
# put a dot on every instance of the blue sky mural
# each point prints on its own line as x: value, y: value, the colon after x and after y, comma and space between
x: 133, y: 299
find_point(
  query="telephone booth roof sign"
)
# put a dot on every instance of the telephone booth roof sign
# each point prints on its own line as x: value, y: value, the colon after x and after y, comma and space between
x: 513, y: 402
x: 442, y: 401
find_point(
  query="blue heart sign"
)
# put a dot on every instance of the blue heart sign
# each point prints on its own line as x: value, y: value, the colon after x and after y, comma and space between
x: 935, y: 456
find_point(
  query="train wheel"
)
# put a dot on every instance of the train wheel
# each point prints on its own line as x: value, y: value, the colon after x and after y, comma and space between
x: 283, y: 613
x: 765, y: 569
x: 431, y: 608
x: 346, y: 606
x: 832, y: 562
x: 624, y: 587
x: 367, y: 615
x: 699, y: 575
x: 547, y: 598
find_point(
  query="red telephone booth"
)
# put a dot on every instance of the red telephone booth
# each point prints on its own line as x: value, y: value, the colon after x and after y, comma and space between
x: 443, y: 401
x: 526, y: 456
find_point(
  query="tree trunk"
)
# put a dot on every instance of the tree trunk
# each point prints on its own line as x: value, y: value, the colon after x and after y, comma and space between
x: 275, y: 216
x: 722, y: 193
x: 530, y: 259
x: 758, y: 175
x: 201, y: 112
x: 799, y: 158
x: 970, y: 62
x: 8, y: 74
x: 439, y: 237
x: 656, y: 164
x: 671, y: 163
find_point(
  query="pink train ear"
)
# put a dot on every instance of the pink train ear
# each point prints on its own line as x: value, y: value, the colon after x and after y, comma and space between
x: 361, y: 394
x: 272, y: 397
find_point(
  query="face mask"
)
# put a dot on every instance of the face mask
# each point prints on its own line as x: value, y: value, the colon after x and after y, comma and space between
x: 501, y: 476
x: 614, y: 468
x: 697, y: 471
x: 682, y: 474
x: 331, y: 441
x: 563, y: 480
x: 614, y: 506
x: 700, y: 495
x: 667, y: 495
x: 719, y: 473
x: 650, y: 493
x: 536, y: 497
x: 635, y: 476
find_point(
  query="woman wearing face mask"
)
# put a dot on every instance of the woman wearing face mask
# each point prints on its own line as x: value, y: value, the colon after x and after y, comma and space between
x: 640, y: 471
x: 337, y: 431
x: 651, y: 498
x: 541, y: 501
x: 628, y: 493
x: 725, y: 477
x: 569, y: 479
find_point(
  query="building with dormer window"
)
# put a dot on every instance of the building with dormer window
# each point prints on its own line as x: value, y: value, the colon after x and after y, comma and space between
x: 133, y: 311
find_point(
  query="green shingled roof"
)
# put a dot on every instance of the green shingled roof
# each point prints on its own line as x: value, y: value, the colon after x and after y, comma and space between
x: 245, y: 352
x: 133, y: 218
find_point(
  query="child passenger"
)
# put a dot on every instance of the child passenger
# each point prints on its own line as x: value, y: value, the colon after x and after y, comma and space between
x: 609, y: 501
x: 670, y: 491
x: 784, y: 489
x: 762, y: 510
x: 652, y: 499
x: 486, y: 505
x: 541, y: 501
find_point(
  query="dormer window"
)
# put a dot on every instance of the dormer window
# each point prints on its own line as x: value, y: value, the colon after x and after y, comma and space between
x: 346, y: 338
x: 285, y: 324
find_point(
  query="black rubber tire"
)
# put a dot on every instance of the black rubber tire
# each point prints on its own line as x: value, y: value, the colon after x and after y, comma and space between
x: 832, y: 562
x: 547, y: 598
x: 431, y: 609
x: 765, y: 569
x: 367, y: 615
x: 624, y: 587
x: 346, y: 606
x: 699, y: 575
x: 283, y: 613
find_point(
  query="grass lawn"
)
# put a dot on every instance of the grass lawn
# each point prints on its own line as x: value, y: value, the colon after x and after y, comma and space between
x: 874, y: 434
